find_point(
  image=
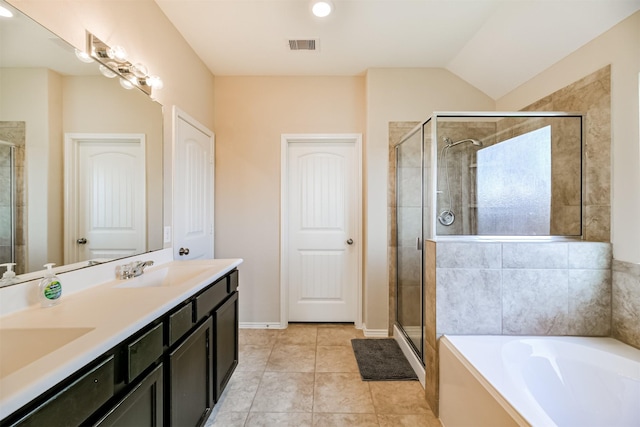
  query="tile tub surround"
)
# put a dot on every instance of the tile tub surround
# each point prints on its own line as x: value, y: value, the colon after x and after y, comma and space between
x: 625, y: 295
x: 523, y: 288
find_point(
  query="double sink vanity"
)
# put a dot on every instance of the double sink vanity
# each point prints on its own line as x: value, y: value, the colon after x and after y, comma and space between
x: 156, y: 349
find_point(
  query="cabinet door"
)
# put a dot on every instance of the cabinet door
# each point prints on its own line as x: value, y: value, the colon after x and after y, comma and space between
x: 141, y: 407
x: 226, y: 342
x: 77, y: 401
x: 190, y: 394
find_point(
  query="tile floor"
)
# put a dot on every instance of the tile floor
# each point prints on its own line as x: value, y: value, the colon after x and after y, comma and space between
x: 306, y: 375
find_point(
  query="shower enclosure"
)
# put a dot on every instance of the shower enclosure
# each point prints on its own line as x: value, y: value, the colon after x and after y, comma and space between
x: 7, y: 203
x: 491, y: 175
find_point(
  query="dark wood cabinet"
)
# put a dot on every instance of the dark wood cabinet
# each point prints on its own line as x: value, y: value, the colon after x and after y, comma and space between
x: 169, y: 373
x: 225, y: 351
x: 190, y: 378
x: 74, y: 402
x: 141, y: 407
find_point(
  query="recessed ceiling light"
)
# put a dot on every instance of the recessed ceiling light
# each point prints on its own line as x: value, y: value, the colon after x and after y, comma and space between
x: 322, y: 8
x: 5, y: 12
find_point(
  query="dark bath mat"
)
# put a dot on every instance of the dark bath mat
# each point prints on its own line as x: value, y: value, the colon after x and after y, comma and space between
x: 382, y: 360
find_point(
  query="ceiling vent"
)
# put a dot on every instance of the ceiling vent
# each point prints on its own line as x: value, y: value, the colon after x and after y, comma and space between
x: 303, y: 44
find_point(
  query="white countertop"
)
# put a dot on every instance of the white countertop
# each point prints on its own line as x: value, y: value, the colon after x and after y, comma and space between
x: 113, y: 312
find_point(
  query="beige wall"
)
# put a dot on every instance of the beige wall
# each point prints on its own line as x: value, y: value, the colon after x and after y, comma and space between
x: 398, y: 95
x: 149, y: 37
x: 619, y: 47
x: 251, y: 115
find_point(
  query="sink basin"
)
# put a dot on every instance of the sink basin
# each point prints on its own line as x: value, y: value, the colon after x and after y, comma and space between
x: 172, y: 275
x: 21, y: 346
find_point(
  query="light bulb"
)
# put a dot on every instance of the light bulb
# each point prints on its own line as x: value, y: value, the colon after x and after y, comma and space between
x: 139, y: 70
x: 127, y: 84
x: 155, y: 82
x: 117, y: 53
x: 5, y: 13
x: 107, y: 72
x: 83, y: 56
x: 322, y: 8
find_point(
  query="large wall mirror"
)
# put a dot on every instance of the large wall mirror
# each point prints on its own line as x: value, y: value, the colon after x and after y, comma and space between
x: 80, y: 157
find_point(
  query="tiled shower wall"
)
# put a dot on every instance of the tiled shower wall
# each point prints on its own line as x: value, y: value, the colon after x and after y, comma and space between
x: 591, y: 96
x: 625, y: 301
x: 550, y: 288
x: 14, y: 132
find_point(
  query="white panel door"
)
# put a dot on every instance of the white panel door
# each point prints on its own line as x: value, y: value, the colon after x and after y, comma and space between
x: 322, y: 259
x: 192, y: 189
x: 111, y: 199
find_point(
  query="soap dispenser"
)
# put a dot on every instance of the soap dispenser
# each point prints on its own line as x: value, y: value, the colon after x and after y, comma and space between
x: 49, y: 289
x: 9, y: 276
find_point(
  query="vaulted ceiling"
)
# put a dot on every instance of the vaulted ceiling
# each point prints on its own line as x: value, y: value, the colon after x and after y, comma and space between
x: 496, y: 45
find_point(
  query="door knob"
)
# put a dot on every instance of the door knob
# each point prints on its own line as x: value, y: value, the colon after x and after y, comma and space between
x: 350, y: 242
x: 183, y: 251
x: 81, y: 241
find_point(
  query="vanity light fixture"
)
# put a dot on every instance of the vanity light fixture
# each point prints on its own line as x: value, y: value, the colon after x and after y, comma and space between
x: 321, y: 8
x: 114, y: 63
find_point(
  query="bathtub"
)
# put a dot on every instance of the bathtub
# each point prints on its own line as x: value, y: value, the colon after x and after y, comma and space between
x: 538, y: 381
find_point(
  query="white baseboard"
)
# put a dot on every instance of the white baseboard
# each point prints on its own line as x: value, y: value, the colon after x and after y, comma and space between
x: 259, y: 325
x: 377, y: 333
x: 415, y: 363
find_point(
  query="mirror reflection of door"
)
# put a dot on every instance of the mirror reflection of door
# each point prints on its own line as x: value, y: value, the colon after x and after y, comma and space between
x: 106, y: 202
x: 192, y: 189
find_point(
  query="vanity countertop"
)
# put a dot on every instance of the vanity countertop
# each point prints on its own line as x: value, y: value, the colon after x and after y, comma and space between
x: 101, y: 317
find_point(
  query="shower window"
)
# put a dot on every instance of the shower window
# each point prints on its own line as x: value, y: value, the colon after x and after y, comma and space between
x: 514, y: 183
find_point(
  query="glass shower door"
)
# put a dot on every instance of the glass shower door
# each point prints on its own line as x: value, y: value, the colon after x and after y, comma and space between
x: 409, y: 239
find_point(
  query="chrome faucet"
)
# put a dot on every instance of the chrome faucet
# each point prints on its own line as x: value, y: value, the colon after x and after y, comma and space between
x: 132, y: 269
x: 138, y: 267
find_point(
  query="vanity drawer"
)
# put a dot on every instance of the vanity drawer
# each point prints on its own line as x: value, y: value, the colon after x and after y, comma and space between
x: 75, y: 403
x: 180, y: 322
x: 232, y: 284
x: 142, y: 352
x: 210, y: 298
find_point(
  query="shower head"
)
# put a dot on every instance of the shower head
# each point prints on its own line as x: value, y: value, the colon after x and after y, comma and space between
x: 450, y: 143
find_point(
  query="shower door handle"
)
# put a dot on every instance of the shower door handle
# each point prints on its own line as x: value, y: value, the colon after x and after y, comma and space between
x: 418, y: 244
